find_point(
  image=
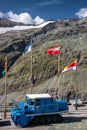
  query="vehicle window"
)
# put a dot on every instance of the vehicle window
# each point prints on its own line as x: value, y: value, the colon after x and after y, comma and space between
x: 27, y: 99
x: 37, y: 102
x: 32, y: 101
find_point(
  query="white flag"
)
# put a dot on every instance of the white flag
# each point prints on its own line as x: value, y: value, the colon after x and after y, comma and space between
x: 27, y: 48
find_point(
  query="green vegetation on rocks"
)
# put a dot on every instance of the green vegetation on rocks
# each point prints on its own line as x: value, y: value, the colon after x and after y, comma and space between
x: 72, y: 38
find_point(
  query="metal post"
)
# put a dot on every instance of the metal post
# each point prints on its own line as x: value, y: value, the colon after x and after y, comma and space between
x: 5, y: 98
x: 31, y: 67
x: 59, y: 76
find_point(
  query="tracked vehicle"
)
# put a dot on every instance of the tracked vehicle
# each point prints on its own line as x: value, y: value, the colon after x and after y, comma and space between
x: 38, y: 109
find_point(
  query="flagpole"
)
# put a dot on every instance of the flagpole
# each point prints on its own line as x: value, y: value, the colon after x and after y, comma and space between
x: 31, y: 66
x: 5, y: 98
x: 59, y: 76
x: 56, y: 50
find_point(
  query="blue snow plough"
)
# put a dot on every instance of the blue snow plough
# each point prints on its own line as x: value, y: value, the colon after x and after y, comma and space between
x: 38, y: 109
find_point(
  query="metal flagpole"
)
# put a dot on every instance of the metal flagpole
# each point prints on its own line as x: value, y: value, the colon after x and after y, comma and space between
x: 31, y: 67
x: 59, y: 96
x: 5, y: 98
x: 59, y: 76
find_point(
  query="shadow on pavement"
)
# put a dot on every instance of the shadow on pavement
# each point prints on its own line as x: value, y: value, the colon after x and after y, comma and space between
x: 73, y: 119
x: 5, y: 123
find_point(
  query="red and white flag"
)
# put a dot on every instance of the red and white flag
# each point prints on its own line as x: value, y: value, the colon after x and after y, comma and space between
x: 54, y: 50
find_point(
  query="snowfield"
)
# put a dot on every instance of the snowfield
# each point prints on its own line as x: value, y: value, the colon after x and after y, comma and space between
x: 17, y: 28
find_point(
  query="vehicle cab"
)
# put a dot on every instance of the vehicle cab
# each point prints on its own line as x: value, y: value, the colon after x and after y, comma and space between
x: 41, y: 103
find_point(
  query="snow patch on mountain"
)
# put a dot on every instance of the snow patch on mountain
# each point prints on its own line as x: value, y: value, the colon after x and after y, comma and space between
x: 17, y: 28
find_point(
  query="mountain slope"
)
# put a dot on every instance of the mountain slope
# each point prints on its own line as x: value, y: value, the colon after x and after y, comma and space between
x: 7, y: 23
x: 71, y: 34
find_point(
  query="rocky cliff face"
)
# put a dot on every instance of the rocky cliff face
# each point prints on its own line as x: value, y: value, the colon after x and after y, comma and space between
x: 7, y: 23
x: 70, y: 34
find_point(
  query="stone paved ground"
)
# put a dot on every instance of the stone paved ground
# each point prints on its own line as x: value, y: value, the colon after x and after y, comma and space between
x: 73, y: 120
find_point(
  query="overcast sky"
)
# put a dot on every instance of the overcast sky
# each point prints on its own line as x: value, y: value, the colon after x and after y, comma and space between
x: 38, y: 11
